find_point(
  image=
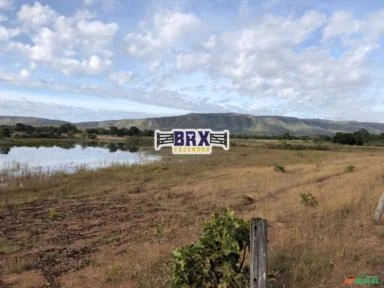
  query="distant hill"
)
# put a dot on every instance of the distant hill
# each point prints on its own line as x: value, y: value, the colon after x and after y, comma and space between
x: 13, y: 120
x: 244, y: 124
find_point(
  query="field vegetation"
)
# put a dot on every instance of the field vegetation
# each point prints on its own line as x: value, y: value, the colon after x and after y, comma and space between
x: 117, y: 227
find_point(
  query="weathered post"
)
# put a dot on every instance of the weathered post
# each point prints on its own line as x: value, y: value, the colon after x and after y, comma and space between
x: 380, y: 209
x: 258, y: 247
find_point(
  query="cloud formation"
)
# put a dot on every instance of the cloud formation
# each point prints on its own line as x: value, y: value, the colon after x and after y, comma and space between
x: 77, y: 44
x: 297, y: 59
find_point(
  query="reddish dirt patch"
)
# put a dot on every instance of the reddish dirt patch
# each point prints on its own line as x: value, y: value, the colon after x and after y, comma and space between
x: 57, y: 237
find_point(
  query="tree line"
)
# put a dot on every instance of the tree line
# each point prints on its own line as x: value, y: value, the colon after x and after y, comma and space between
x: 114, y: 131
x: 67, y: 131
x: 360, y: 137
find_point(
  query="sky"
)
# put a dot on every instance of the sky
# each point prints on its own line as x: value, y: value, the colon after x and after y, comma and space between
x: 89, y: 60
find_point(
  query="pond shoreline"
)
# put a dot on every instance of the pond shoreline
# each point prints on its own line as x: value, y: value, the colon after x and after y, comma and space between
x: 71, y: 156
x: 142, y: 140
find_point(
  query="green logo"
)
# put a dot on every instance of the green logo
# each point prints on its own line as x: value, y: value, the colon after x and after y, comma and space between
x: 362, y: 280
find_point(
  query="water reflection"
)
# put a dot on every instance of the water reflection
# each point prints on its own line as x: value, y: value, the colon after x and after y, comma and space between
x: 4, y: 150
x: 70, y: 157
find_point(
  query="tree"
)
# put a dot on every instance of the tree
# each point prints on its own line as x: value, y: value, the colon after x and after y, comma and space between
x: 67, y: 128
x: 344, y: 138
x: 357, y: 138
x: 113, y: 130
x: 122, y: 132
x: 362, y: 136
x: 287, y: 136
x: 149, y: 133
x: 134, y: 131
x: 24, y: 128
x: 5, y: 132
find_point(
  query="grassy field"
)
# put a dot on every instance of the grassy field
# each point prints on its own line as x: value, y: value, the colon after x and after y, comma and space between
x: 116, y: 227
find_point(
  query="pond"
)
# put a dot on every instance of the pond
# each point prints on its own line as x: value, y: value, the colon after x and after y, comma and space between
x: 70, y: 157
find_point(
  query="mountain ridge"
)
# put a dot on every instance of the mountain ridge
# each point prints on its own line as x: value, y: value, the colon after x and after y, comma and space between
x: 234, y: 122
x: 34, y: 121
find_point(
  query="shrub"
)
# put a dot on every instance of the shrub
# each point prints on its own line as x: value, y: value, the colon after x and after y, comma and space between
x: 53, y: 215
x: 308, y: 200
x: 349, y: 168
x: 279, y: 168
x: 217, y: 258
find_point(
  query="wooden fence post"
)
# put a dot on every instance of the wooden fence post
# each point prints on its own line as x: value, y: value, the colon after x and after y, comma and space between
x: 380, y: 209
x: 258, y: 247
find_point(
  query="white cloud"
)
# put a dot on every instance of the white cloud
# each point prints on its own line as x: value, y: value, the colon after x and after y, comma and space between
x: 89, y: 2
x: 167, y: 28
x: 272, y: 59
x: 122, y: 77
x: 284, y: 61
x: 76, y: 44
x: 7, y: 33
x: 374, y: 26
x: 36, y: 15
x: 211, y: 42
x: 244, y: 8
x: 172, y: 25
x: 24, y: 73
x: 6, y: 4
x: 79, y: 108
x: 13, y: 78
x: 106, y: 5
x: 341, y: 23
x: 275, y: 32
x: 93, y: 65
x: 189, y: 62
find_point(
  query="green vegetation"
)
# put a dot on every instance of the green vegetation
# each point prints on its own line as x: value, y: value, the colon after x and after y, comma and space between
x: 279, y: 168
x: 5, y: 132
x: 308, y: 200
x: 359, y: 138
x: 285, y: 136
x: 349, y: 169
x: 114, y: 131
x: 217, y: 258
x: 6, y: 247
x: 27, y: 131
x: 53, y: 215
x: 305, y: 146
x: 70, y: 131
x: 67, y: 131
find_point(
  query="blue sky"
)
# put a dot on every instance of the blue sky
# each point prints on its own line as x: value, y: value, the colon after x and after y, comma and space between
x: 89, y: 60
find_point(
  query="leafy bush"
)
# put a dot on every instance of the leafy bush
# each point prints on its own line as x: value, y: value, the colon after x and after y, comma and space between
x: 308, y: 200
x: 279, y: 168
x: 349, y: 168
x: 217, y: 258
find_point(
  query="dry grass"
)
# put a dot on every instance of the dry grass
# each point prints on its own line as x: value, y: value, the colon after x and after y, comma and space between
x: 117, y: 226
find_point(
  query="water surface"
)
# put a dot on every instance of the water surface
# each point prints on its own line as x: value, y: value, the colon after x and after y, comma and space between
x: 70, y: 157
